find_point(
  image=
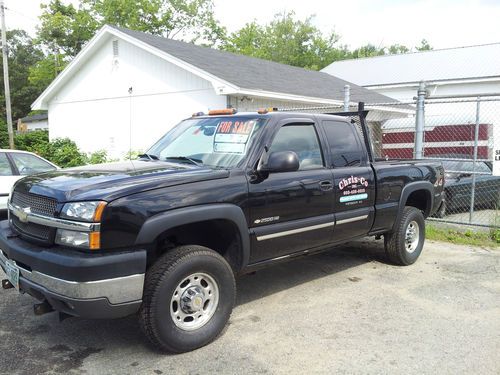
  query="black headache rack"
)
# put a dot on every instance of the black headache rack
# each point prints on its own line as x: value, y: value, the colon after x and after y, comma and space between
x: 358, y: 118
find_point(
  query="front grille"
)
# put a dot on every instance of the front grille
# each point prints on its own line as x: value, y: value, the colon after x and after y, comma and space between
x: 38, y: 231
x: 38, y: 204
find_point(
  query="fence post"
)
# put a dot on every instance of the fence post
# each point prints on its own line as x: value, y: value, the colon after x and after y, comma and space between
x: 420, y: 122
x: 347, y: 97
x: 476, y: 140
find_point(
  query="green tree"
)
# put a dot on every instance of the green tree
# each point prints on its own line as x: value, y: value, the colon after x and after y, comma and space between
x: 22, y: 53
x: 190, y: 20
x: 424, y: 46
x: 43, y: 72
x: 287, y: 40
x: 65, y: 29
x: 368, y: 50
x: 397, y: 49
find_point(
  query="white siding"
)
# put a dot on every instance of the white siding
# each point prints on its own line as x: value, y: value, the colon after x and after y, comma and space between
x: 96, y: 111
x: 37, y: 125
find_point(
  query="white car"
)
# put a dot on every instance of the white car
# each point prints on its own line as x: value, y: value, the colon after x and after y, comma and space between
x: 15, y: 164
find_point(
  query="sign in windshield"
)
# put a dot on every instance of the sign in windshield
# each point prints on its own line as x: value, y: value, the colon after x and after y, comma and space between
x: 232, y: 136
x: 214, y: 141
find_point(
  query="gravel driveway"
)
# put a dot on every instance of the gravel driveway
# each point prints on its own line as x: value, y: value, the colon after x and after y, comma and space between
x: 344, y: 311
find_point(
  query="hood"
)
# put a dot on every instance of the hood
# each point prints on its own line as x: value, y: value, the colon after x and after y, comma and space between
x: 114, y: 180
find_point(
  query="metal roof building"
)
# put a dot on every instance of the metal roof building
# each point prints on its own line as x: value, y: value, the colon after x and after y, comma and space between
x: 453, y: 71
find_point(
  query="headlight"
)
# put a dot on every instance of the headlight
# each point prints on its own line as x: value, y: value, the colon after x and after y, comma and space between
x: 87, y: 211
x: 86, y: 240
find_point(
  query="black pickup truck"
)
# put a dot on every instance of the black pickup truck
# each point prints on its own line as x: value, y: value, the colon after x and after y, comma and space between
x: 219, y: 195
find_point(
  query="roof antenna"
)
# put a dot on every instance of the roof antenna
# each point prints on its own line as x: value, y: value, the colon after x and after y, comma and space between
x: 130, y: 91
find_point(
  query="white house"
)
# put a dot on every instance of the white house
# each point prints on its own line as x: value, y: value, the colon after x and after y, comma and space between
x: 33, y: 122
x: 126, y: 88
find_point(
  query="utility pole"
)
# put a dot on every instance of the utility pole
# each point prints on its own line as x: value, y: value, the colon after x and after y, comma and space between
x: 6, y: 77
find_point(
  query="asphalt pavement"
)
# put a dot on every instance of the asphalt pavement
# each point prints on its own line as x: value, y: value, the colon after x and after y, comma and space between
x: 344, y: 311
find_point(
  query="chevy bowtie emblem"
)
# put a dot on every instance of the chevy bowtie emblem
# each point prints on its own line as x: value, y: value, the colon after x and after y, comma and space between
x: 23, y: 214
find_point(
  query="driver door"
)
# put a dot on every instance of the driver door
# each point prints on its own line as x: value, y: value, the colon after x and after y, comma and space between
x: 292, y: 211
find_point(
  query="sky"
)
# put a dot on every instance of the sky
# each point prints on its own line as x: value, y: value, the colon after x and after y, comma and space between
x: 444, y: 23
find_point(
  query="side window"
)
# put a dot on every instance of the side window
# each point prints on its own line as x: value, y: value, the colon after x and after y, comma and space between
x: 303, y: 140
x: 345, y: 149
x: 5, y: 169
x: 28, y: 164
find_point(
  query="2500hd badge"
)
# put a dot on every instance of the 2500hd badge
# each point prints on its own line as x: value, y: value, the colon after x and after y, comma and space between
x: 164, y: 236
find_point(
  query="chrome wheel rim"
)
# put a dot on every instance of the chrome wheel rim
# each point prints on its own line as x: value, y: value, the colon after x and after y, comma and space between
x: 412, y: 237
x: 194, y: 301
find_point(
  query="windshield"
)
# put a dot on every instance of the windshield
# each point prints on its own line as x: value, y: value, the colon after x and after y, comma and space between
x: 216, y: 142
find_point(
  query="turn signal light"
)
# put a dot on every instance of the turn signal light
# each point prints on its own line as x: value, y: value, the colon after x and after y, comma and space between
x: 98, y: 211
x: 94, y: 240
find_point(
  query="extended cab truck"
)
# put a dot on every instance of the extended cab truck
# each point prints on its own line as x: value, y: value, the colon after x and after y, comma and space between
x: 220, y: 194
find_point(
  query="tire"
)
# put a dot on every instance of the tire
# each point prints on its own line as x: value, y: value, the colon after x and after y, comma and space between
x: 397, y: 249
x: 177, y: 317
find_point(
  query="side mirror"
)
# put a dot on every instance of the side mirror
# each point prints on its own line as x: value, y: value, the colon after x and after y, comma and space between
x: 281, y: 161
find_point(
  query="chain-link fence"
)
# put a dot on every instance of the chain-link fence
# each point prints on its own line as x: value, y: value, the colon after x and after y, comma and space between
x: 460, y: 131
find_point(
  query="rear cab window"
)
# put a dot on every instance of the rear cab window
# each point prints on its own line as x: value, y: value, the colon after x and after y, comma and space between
x: 344, y: 145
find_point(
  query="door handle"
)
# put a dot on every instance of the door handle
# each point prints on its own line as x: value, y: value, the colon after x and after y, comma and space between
x: 326, y: 185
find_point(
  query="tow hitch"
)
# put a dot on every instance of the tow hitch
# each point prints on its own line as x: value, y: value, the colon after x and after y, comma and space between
x: 42, y: 308
x: 6, y: 284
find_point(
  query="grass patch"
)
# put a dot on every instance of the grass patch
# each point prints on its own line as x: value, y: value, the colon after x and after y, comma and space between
x: 468, y: 237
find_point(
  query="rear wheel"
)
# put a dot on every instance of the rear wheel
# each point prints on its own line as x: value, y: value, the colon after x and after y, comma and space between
x: 404, y: 245
x: 189, y: 294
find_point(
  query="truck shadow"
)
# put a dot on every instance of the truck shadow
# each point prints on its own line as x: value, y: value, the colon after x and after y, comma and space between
x: 63, y: 347
x: 294, y: 272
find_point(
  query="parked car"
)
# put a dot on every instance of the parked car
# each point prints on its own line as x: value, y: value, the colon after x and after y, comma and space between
x: 219, y: 195
x: 15, y: 164
x: 458, y: 186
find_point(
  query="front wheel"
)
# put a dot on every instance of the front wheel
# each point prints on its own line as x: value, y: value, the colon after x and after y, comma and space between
x: 404, y: 245
x: 188, y: 297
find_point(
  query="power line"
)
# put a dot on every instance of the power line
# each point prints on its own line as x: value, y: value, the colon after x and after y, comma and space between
x: 21, y: 14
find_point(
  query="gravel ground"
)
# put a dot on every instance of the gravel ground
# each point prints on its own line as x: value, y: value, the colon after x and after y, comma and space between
x: 344, y: 311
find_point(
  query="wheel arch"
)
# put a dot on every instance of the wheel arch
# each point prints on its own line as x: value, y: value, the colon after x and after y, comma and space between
x: 227, y: 217
x: 416, y: 194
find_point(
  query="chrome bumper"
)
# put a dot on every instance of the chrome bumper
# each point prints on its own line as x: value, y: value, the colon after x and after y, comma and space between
x: 117, y: 290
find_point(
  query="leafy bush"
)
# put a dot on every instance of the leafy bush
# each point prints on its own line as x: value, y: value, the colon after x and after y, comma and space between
x: 36, y: 141
x: 4, y: 135
x: 65, y: 153
x: 133, y: 154
x: 97, y: 157
x: 61, y: 151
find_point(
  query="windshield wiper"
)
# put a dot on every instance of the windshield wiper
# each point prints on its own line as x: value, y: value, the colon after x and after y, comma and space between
x: 148, y: 156
x: 185, y: 158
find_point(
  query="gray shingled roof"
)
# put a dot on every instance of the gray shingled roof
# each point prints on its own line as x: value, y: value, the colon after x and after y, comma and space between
x: 37, y: 117
x: 257, y: 74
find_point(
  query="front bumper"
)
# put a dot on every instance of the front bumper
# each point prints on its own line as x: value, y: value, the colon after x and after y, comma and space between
x: 79, y: 284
